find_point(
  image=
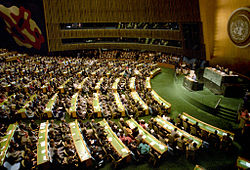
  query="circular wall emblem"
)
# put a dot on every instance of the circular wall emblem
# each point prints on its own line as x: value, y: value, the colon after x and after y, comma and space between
x: 238, y: 27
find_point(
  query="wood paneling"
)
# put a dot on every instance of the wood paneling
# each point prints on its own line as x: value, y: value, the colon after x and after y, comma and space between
x: 91, y: 33
x: 219, y: 48
x: 80, y: 11
x: 65, y: 11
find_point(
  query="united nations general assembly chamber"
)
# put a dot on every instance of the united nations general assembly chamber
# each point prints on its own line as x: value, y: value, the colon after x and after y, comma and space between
x: 125, y: 84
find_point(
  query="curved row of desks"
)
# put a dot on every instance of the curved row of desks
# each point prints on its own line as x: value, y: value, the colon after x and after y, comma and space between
x: 26, y: 105
x: 96, y: 105
x: 138, y: 99
x: 243, y: 163
x: 61, y: 88
x: 80, y: 86
x: 72, y: 109
x: 116, y: 143
x: 80, y: 144
x: 204, y: 126
x: 42, y: 146
x: 161, y: 101
x: 147, y: 83
x: 98, y: 85
x: 118, y: 102
x: 169, y: 127
x: 5, y: 141
x: 132, y: 83
x: 158, y: 146
x: 50, y: 105
x: 155, y: 72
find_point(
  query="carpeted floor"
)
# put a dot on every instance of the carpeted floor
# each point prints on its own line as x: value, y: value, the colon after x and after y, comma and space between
x: 170, y: 88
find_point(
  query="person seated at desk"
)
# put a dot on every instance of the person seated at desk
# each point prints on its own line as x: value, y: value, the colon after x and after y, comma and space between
x: 226, y: 142
x: 191, y: 151
x: 214, y: 139
x: 181, y: 144
x: 144, y: 149
x: 174, y: 133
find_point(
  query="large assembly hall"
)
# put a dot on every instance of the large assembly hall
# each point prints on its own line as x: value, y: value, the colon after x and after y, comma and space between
x: 125, y: 84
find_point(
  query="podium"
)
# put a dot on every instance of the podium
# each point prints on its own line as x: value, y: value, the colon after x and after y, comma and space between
x: 192, y: 85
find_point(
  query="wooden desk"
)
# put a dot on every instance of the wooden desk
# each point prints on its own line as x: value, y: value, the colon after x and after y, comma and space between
x: 242, y: 163
x: 218, y: 77
x: 115, y: 84
x: 160, y: 100
x: 116, y: 143
x: 169, y: 127
x: 132, y: 83
x: 139, y: 65
x: 5, y: 141
x: 80, y: 86
x: 50, y: 105
x: 42, y: 146
x: 160, y: 147
x: 63, y: 85
x: 96, y: 105
x: 72, y: 109
x: 118, y: 102
x: 26, y: 105
x: 98, y: 85
x: 207, y: 127
x: 137, y: 98
x: 148, y: 84
x: 154, y: 72
x: 80, y: 144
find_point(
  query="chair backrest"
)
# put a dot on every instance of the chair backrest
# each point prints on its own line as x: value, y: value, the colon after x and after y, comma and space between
x: 155, y: 129
x: 181, y: 145
x: 193, y: 130
x: 204, y: 134
x: 171, y: 139
x: 185, y: 125
x: 178, y: 120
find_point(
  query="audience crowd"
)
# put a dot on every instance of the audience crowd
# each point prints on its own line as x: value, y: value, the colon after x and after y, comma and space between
x: 35, y: 87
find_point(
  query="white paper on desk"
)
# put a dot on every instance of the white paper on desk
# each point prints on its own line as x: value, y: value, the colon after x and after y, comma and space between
x: 106, y: 127
x: 42, y: 131
x: 165, y: 126
x: 152, y: 143
x: 42, y: 127
x: 224, y: 134
x: 43, y: 143
x: 248, y: 164
x: 109, y: 139
x: 2, y: 148
x: 74, y: 127
x: 162, y: 147
x: 144, y: 137
x: 73, y: 134
x: 132, y: 126
x: 40, y: 137
x: 73, y: 123
x: 43, y: 151
x: 43, y: 124
x: 9, y: 132
x: 124, y: 150
x: 44, y: 158
x: 140, y: 131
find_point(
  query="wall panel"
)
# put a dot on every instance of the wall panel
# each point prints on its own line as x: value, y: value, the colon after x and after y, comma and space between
x: 80, y: 11
x: 219, y: 48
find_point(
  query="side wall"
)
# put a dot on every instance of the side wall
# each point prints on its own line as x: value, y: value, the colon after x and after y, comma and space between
x: 219, y: 48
